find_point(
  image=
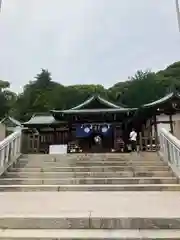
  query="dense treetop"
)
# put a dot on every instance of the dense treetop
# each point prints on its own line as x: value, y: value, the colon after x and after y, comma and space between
x: 43, y: 94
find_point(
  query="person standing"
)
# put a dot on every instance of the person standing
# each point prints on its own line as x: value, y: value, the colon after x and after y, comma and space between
x: 133, y: 139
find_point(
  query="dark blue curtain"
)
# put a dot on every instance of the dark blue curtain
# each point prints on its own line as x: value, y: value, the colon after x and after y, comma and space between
x: 83, y: 131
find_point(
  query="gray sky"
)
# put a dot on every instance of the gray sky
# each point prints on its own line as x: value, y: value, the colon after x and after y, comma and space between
x: 86, y: 41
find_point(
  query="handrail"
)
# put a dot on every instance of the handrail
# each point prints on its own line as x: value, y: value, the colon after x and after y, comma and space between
x: 10, y: 150
x: 170, y: 147
x: 9, y: 138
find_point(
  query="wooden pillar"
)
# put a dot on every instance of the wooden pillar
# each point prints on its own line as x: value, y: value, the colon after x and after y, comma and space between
x: 69, y: 130
x: 171, y: 124
x: 54, y: 136
x: 155, y: 131
x: 114, y: 137
x: 140, y: 141
x: 150, y: 135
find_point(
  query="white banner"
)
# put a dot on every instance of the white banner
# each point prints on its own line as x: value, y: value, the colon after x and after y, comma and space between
x: 58, y: 149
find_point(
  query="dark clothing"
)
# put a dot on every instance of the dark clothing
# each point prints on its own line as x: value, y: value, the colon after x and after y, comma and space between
x: 133, y: 145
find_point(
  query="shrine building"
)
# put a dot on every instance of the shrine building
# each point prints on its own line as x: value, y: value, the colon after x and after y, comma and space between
x: 96, y: 118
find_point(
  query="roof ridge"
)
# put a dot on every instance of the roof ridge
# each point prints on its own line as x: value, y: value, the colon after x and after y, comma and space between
x: 99, y: 98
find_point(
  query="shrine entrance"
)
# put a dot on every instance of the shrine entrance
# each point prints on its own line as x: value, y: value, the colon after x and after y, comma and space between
x: 96, y: 138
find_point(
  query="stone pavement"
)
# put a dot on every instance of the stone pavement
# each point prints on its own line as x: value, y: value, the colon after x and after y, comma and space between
x: 89, y: 234
x: 107, y: 204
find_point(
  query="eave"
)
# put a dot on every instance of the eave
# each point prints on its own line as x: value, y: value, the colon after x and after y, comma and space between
x: 162, y: 100
x: 92, y: 111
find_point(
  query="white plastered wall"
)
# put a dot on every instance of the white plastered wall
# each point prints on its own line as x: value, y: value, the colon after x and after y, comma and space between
x: 176, y: 123
x: 2, y: 131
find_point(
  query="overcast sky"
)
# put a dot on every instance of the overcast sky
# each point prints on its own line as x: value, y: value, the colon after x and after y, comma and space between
x: 86, y: 41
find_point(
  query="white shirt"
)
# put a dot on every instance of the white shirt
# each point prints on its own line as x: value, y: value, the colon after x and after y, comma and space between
x: 133, y: 136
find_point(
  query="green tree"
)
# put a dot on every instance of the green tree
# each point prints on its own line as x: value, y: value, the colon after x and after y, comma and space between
x: 142, y: 88
x: 170, y: 77
x: 35, y: 97
x: 4, y: 106
x: 43, y: 94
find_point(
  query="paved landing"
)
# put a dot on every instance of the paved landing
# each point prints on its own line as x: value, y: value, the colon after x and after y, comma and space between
x: 94, y: 204
x: 88, y: 234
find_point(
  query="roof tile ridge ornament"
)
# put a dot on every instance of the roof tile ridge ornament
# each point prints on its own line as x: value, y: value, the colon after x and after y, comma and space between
x: 95, y: 95
x: 108, y: 102
x: 41, y: 114
x: 83, y: 103
x: 176, y: 93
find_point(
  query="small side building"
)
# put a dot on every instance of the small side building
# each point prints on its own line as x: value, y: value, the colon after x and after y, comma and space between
x: 165, y: 113
x: 43, y: 130
x: 7, y: 126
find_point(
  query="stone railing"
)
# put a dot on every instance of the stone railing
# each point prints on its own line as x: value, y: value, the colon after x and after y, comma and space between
x: 170, y: 149
x: 10, y: 150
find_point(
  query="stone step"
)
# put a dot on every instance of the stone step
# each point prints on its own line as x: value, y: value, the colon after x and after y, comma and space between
x: 92, y: 169
x: 108, y: 174
x: 74, y: 163
x: 50, y: 234
x: 89, y: 159
x: 90, y: 187
x: 84, y: 156
x: 85, y: 221
x: 78, y: 181
x: 99, y: 156
x: 91, y: 155
x: 90, y: 163
x: 63, y: 160
x: 60, y: 158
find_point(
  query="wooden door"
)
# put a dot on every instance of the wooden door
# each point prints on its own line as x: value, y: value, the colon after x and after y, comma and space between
x: 33, y: 143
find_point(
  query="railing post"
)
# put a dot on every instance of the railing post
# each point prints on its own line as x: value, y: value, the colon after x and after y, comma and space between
x: 2, y: 154
x: 170, y: 147
x: 10, y: 150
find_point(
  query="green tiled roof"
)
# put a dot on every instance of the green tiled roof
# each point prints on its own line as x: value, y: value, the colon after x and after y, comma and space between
x: 95, y: 98
x: 13, y: 120
x: 83, y: 107
x: 41, y: 119
x: 162, y: 100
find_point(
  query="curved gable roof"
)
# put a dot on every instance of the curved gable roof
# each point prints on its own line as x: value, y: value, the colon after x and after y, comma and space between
x: 101, y: 100
x: 163, y: 99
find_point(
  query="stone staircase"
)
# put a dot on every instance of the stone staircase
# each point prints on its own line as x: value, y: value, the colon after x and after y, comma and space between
x: 93, y: 196
x: 94, y: 172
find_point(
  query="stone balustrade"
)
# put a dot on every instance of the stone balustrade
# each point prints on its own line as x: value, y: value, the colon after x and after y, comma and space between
x: 170, y: 149
x: 10, y: 150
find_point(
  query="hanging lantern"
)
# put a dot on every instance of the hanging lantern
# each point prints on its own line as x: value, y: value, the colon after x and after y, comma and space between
x: 87, y: 129
x: 104, y: 129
